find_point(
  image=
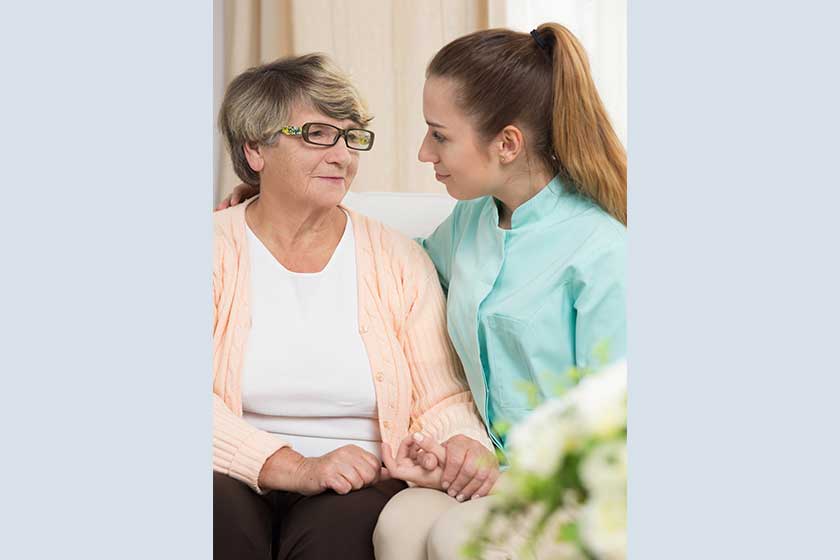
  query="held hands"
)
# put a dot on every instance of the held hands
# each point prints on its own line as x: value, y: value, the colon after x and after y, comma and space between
x: 462, y: 467
x: 342, y: 470
x: 405, y: 467
x: 240, y: 192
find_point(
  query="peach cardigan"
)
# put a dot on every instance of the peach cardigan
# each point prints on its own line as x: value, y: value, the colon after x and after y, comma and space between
x: 418, y: 380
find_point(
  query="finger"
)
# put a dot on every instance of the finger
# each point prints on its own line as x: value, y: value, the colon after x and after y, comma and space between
x: 417, y: 455
x: 428, y: 444
x: 473, y: 485
x: 354, y: 453
x: 465, y: 474
x: 352, y: 476
x: 368, y: 476
x: 402, y: 452
x: 429, y: 461
x: 339, y: 485
x: 388, y: 458
x: 384, y: 474
x: 454, y: 459
x: 368, y: 473
x: 371, y: 460
x: 487, y: 487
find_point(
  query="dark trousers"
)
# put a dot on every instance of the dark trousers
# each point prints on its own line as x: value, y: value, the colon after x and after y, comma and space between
x: 284, y: 525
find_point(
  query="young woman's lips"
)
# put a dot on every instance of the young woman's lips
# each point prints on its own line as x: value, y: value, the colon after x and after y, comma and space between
x: 440, y: 177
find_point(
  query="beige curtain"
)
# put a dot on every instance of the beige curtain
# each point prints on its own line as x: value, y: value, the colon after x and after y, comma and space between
x: 384, y: 45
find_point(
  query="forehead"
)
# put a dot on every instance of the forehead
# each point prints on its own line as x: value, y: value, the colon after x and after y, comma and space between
x: 439, y: 98
x: 302, y: 113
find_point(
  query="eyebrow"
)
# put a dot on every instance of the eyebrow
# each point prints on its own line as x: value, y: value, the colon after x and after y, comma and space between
x: 430, y: 123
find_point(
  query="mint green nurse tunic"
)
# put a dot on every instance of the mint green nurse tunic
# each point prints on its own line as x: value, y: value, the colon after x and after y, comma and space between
x: 529, y: 307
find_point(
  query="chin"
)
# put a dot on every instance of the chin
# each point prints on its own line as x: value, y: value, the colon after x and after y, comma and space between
x: 333, y: 197
x: 458, y: 194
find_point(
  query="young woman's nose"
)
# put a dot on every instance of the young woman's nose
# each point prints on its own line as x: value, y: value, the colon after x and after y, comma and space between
x: 426, y: 155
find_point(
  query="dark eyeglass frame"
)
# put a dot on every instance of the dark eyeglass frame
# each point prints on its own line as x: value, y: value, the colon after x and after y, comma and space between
x: 303, y: 132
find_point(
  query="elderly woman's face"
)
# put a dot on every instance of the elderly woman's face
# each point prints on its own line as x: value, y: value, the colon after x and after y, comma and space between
x: 318, y: 174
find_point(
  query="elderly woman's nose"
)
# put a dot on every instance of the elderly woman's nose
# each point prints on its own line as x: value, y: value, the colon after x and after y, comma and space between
x: 339, y: 154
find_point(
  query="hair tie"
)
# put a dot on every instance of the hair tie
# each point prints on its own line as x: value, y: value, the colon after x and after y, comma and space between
x: 540, y: 43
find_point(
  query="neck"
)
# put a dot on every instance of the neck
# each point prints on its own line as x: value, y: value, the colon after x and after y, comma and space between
x: 289, y: 226
x: 516, y: 191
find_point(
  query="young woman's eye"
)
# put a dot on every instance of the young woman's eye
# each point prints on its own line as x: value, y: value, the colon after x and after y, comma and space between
x: 438, y: 138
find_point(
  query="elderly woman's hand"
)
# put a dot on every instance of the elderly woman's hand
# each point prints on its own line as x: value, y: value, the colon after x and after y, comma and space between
x: 342, y: 470
x: 406, y: 468
x: 345, y: 469
x: 241, y: 192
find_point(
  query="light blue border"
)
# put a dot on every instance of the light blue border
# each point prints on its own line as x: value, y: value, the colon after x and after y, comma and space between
x: 106, y: 163
x: 734, y: 275
x: 106, y: 318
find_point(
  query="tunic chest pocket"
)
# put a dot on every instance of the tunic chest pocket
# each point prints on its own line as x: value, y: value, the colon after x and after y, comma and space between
x: 530, y: 356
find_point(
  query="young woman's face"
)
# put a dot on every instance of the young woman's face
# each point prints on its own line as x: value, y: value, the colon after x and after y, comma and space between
x: 462, y: 161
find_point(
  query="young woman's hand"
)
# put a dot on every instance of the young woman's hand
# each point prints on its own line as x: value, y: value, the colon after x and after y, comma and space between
x: 240, y: 192
x: 474, y: 469
x: 470, y: 470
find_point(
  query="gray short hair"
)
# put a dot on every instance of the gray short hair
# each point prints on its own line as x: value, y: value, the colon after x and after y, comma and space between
x: 257, y: 102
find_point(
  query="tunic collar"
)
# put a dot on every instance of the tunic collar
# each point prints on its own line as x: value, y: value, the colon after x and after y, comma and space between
x: 555, y: 201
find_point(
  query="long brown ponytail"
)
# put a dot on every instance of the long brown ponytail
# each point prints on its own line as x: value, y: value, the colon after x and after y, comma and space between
x: 506, y: 77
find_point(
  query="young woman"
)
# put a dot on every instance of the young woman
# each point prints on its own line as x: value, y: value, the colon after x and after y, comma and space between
x: 532, y: 257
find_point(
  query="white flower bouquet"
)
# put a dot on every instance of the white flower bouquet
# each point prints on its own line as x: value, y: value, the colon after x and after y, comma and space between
x: 567, y: 482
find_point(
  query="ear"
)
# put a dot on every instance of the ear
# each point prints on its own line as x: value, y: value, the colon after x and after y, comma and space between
x: 510, y: 142
x: 254, y: 156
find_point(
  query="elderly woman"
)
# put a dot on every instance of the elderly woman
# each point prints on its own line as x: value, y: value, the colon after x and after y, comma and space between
x: 329, y: 331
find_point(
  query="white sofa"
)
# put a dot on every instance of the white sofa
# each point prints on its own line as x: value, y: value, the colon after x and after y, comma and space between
x: 413, y: 214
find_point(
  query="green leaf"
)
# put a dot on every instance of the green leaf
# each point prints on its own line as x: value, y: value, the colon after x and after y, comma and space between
x: 569, y: 532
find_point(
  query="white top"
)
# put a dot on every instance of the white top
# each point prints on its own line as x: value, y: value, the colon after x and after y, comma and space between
x: 306, y: 374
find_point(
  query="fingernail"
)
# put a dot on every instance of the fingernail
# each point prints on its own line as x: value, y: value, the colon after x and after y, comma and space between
x: 418, y: 437
x: 460, y: 498
x: 445, y: 485
x: 475, y: 496
x: 451, y: 492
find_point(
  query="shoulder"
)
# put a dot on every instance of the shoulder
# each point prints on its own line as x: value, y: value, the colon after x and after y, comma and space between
x: 468, y: 211
x: 465, y: 217
x: 224, y: 220
x: 228, y: 231
x: 603, y: 231
x: 388, y: 248
x: 601, y: 251
x: 584, y: 224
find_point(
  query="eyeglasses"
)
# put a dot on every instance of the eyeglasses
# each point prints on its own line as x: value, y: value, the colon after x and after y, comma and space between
x: 322, y: 134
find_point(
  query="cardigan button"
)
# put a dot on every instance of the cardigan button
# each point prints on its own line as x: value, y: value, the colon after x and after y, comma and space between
x: 363, y: 329
x: 386, y: 425
x: 379, y: 376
